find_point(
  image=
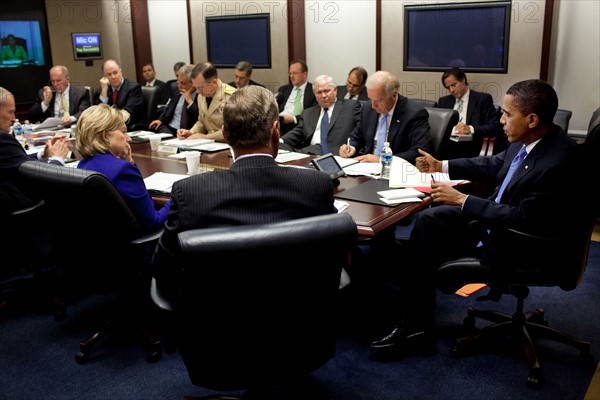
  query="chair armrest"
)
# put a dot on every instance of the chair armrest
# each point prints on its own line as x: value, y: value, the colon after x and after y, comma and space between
x: 26, y: 210
x: 158, y: 298
x: 148, y: 238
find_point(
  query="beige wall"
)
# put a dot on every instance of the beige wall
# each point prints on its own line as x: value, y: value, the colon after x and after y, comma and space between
x: 523, y: 60
x: 111, y: 19
x: 574, y: 70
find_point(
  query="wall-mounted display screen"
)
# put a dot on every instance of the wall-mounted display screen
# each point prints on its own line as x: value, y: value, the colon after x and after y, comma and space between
x: 472, y: 36
x: 233, y: 38
x: 21, y: 44
x: 87, y: 46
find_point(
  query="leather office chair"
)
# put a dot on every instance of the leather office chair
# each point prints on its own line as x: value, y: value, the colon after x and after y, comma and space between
x: 151, y: 96
x: 90, y: 93
x: 425, y: 102
x: 98, y: 246
x: 562, y: 119
x: 521, y: 261
x: 441, y: 122
x: 25, y: 246
x: 254, y: 305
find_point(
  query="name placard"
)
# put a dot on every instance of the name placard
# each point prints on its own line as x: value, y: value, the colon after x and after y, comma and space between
x: 165, y: 148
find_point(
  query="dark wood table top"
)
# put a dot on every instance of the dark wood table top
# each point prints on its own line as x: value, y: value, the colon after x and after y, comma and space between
x: 371, y: 219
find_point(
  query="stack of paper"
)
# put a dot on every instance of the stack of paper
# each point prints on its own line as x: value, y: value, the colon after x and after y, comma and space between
x: 186, y: 143
x: 162, y: 182
x: 397, y: 196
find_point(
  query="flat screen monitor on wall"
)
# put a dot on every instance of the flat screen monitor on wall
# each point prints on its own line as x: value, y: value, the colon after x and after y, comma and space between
x: 233, y: 38
x: 472, y: 36
x: 87, y: 46
x: 21, y: 44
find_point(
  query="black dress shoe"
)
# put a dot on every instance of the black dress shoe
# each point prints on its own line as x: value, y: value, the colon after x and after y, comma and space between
x: 405, y: 340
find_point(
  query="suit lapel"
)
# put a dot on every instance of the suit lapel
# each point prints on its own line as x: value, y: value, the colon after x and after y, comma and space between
x: 337, y: 110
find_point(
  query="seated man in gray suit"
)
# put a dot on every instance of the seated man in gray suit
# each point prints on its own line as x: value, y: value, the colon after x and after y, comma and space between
x: 62, y: 100
x: 325, y: 127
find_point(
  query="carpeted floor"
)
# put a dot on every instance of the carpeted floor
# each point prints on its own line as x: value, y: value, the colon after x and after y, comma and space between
x: 37, y: 357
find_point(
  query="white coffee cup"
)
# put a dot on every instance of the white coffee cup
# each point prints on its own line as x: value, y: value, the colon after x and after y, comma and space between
x: 154, y: 143
x: 193, y: 162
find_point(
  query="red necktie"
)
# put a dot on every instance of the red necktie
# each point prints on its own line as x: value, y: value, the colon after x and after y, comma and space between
x: 114, y: 97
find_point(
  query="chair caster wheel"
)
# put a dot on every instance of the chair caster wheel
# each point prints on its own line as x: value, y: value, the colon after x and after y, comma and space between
x: 154, y: 355
x: 455, y: 352
x: 469, y: 322
x: 81, y: 357
x: 535, y: 380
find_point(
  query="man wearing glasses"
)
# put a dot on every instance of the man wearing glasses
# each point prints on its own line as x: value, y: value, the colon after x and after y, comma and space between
x: 325, y: 127
x: 60, y: 99
x: 355, y: 88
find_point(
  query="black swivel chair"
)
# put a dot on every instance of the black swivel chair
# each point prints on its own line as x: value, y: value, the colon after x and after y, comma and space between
x: 441, y: 122
x: 98, y: 246
x: 26, y: 245
x: 520, y: 261
x: 254, y: 305
x: 425, y: 102
x: 151, y: 95
x: 562, y: 119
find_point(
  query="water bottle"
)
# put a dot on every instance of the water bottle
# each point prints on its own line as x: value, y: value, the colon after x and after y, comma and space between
x: 17, y: 130
x: 386, y: 160
x: 27, y: 133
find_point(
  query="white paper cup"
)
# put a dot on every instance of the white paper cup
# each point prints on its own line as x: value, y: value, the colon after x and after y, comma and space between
x: 193, y: 162
x: 154, y: 143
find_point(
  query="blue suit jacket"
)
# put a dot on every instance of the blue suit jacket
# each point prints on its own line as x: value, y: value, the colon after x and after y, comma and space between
x: 128, y: 180
x: 344, y: 118
x: 408, y: 132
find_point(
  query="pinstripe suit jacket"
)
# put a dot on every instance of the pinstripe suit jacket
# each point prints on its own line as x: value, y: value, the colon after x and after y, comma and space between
x: 254, y: 190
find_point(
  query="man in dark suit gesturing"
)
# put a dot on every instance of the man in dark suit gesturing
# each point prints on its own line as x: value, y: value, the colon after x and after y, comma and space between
x: 62, y: 100
x: 314, y: 126
x: 389, y: 117
x: 294, y: 97
x: 536, y: 176
x: 121, y: 92
x: 478, y: 116
x: 254, y: 190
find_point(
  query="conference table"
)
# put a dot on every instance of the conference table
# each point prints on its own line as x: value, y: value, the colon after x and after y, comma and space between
x: 371, y: 219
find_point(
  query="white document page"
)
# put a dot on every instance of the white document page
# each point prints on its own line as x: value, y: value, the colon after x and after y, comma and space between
x: 404, y: 174
x: 363, y: 168
x: 285, y: 157
x: 185, y: 143
x: 162, y: 181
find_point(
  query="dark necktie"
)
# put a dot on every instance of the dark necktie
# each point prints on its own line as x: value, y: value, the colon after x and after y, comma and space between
x: 324, y: 129
x: 114, y: 97
x: 184, y: 116
x: 208, y: 101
